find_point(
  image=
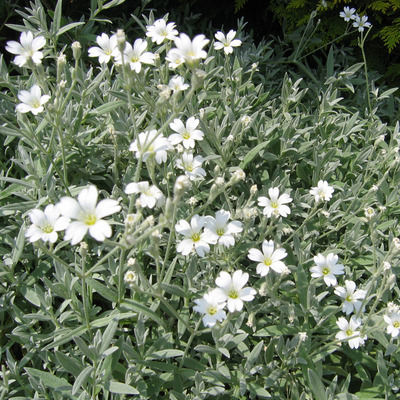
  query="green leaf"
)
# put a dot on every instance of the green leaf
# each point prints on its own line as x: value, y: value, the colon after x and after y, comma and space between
x: 102, y: 290
x: 316, y: 385
x: 166, y: 353
x: 107, y: 107
x: 120, y: 388
x: 108, y: 334
x: 68, y: 27
x: 48, y: 379
x: 139, y: 307
x: 112, y: 3
x: 68, y: 363
x: 276, y: 330
x: 252, y: 358
x: 252, y: 154
x: 57, y: 16
x: 82, y: 378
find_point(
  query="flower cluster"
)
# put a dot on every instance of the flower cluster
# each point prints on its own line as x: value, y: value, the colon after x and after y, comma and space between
x: 349, y: 14
x: 203, y: 231
x: 76, y: 217
x: 230, y: 292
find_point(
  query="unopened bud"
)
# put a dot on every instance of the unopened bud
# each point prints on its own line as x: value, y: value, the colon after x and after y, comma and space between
x: 121, y: 40
x: 76, y: 50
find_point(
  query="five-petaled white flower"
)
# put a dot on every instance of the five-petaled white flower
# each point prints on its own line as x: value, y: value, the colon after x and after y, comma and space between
x: 269, y: 258
x: 192, y: 166
x: 231, y: 289
x: 88, y: 215
x: 27, y: 49
x: 322, y: 192
x: 348, y: 331
x: 149, y: 195
x: 348, y: 13
x: 361, y: 23
x: 393, y: 321
x: 226, y: 42
x: 191, y: 50
x: 222, y: 231
x: 351, y: 297
x: 327, y: 267
x: 45, y: 225
x: 108, y: 48
x: 135, y: 56
x: 177, y: 84
x: 194, y: 235
x: 174, y: 58
x: 275, y: 205
x: 212, y: 309
x: 160, y: 31
x: 185, y: 134
x: 151, y: 144
x: 32, y: 100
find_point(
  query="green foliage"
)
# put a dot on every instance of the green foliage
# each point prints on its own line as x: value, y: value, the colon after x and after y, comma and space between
x: 73, y: 326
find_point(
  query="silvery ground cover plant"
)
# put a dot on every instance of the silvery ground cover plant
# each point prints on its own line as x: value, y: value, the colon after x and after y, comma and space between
x: 195, y: 216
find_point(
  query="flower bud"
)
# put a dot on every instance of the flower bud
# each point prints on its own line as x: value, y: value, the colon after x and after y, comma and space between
x: 121, y: 40
x: 76, y: 50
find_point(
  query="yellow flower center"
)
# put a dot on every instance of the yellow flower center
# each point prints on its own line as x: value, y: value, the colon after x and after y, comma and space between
x: 189, y: 168
x: 47, y: 229
x: 36, y: 103
x: 186, y: 135
x: 233, y: 294
x: 274, y: 204
x: 90, y: 219
x: 396, y: 324
x: 325, y: 271
x: 195, y: 237
x: 220, y: 232
x: 349, y: 332
x: 349, y: 298
x: 134, y: 59
x: 212, y: 310
x: 267, y: 262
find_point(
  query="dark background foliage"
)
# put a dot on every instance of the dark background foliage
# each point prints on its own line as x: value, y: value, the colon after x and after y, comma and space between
x: 264, y: 18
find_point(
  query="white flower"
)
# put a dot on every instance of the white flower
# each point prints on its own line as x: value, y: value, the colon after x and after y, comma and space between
x: 226, y: 42
x: 351, y: 297
x: 192, y: 166
x: 191, y: 50
x: 194, y: 237
x: 246, y: 120
x: 276, y: 205
x: 323, y: 192
x: 369, y: 212
x: 177, y: 84
x: 393, y: 321
x: 269, y: 258
x: 348, y: 331
x: 160, y: 31
x: 151, y: 144
x: 27, y: 49
x: 361, y: 23
x: 327, y: 267
x: 303, y: 336
x: 222, y: 231
x: 212, y: 309
x: 135, y: 56
x: 230, y: 289
x: 108, y: 48
x: 174, y: 58
x: 149, y: 195
x: 45, y: 225
x: 130, y: 277
x: 88, y: 215
x: 32, y: 100
x: 185, y: 134
x: 348, y: 13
